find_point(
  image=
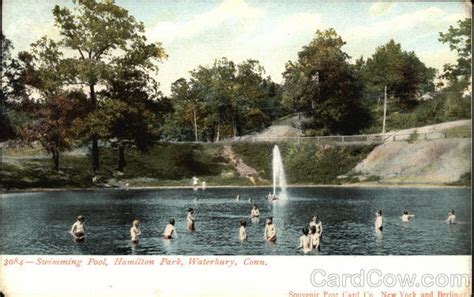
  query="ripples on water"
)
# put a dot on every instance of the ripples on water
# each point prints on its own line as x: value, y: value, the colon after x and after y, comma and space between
x: 38, y: 223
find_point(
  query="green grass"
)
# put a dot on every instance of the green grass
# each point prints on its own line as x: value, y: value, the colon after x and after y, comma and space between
x: 175, y: 165
x: 304, y: 163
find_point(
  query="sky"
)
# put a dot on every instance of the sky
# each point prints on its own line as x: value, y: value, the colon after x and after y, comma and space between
x: 198, y: 32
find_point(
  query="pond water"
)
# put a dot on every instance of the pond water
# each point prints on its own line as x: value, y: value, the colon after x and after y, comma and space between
x: 38, y: 223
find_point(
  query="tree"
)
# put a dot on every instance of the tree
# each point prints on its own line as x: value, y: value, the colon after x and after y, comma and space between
x: 323, y: 85
x: 6, y: 62
x: 121, y: 124
x: 42, y: 74
x: 459, y: 40
x: 253, y: 97
x: 224, y: 100
x: 405, y: 76
x: 132, y: 100
x: 188, y: 104
x: 97, y: 32
x: 53, y: 126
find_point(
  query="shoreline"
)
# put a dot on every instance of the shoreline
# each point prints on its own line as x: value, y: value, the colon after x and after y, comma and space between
x: 355, y: 185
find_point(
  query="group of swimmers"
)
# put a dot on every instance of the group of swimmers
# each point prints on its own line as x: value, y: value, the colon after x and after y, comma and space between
x: 406, y: 217
x: 310, y: 239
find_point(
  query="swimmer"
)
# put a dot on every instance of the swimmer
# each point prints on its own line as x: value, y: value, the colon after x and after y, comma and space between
x: 190, y: 220
x: 242, y: 232
x: 314, y: 238
x: 451, y: 217
x: 406, y: 217
x: 170, y: 231
x: 255, y: 213
x: 195, y: 182
x: 379, y: 220
x: 315, y: 221
x: 270, y: 230
x: 305, y: 241
x: 78, y: 229
x: 135, y: 231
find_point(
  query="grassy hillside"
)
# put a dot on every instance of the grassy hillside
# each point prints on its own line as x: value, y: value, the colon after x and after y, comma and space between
x: 176, y: 164
x: 304, y: 163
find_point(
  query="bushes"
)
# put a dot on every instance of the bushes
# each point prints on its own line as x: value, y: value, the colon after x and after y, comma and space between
x: 174, y: 161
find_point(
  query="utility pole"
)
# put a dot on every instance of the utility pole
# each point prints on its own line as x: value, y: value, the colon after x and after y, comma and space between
x: 315, y: 78
x: 384, y: 111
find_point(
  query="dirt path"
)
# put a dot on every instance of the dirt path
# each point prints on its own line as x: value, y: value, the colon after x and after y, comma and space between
x: 243, y: 169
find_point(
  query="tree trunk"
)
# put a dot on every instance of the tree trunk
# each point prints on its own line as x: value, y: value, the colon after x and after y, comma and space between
x: 234, y: 127
x: 95, y: 145
x: 195, y: 125
x: 218, y: 132
x: 55, y: 153
x: 121, y: 157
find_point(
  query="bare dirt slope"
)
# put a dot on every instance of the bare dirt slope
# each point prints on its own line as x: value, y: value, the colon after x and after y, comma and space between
x: 438, y: 161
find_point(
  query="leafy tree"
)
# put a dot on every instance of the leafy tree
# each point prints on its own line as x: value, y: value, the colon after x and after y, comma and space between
x: 225, y: 100
x: 134, y: 101
x: 405, y: 76
x: 43, y: 75
x: 122, y: 124
x: 323, y: 85
x: 94, y: 34
x: 6, y: 61
x: 254, y: 97
x: 459, y: 40
x: 188, y: 104
x: 53, y: 126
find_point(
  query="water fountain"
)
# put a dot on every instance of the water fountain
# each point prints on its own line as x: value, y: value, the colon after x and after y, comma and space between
x: 279, y: 178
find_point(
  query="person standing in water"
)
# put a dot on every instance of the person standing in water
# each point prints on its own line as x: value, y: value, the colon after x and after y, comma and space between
x: 237, y: 198
x: 170, y: 231
x: 314, y: 238
x: 135, y: 231
x: 242, y: 231
x: 78, y: 229
x: 305, y: 241
x: 378, y: 220
x: 270, y: 230
x: 195, y: 182
x: 451, y: 217
x: 315, y: 221
x: 406, y: 217
x: 190, y: 220
x: 255, y: 213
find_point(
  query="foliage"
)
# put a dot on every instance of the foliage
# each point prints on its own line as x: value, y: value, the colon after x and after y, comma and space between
x: 225, y: 100
x: 106, y: 40
x: 8, y: 89
x: 53, y: 126
x: 405, y: 76
x: 323, y: 85
x: 459, y: 40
